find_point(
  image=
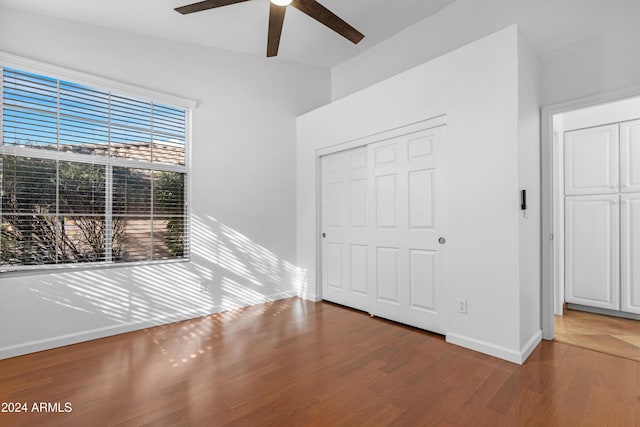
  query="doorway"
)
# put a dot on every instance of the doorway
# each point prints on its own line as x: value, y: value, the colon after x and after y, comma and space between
x: 591, y: 209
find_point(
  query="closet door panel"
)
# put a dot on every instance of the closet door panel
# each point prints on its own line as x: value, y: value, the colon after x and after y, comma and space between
x: 630, y: 253
x: 592, y: 251
x: 591, y: 160
x: 344, y: 205
x: 630, y: 156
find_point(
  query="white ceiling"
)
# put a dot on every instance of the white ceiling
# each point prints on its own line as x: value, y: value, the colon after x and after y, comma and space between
x: 242, y: 27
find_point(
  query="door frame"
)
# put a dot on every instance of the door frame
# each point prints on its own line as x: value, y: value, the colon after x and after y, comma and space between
x: 421, y: 125
x: 547, y: 180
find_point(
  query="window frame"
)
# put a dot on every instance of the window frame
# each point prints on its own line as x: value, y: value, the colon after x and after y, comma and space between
x: 128, y: 90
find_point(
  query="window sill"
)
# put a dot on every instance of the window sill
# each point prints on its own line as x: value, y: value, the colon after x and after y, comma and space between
x: 72, y: 268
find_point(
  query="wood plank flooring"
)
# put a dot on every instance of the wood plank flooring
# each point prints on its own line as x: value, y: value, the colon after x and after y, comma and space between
x: 607, y: 334
x: 297, y: 363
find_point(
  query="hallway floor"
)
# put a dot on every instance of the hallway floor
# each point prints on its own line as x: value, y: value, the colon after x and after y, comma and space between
x: 606, y: 334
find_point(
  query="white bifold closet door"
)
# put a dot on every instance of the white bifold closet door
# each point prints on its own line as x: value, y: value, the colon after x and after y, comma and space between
x: 591, y: 161
x: 630, y: 156
x: 592, y: 239
x: 592, y: 217
x: 383, y: 209
x: 630, y: 216
x: 630, y: 253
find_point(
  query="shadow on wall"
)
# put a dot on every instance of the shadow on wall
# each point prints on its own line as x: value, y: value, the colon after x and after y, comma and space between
x: 227, y: 271
x: 244, y: 272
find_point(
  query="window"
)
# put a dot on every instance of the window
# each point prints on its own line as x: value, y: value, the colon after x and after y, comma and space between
x: 89, y: 175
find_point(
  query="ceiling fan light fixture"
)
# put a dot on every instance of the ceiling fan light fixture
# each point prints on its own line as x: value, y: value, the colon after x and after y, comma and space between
x: 277, y: 11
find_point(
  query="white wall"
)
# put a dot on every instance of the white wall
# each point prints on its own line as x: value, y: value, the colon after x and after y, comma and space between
x: 529, y: 167
x: 596, y: 65
x: 243, y: 186
x: 477, y: 88
x: 585, y: 47
x: 603, y: 114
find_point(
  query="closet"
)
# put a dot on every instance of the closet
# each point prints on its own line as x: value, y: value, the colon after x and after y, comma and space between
x: 383, y: 210
x: 602, y: 216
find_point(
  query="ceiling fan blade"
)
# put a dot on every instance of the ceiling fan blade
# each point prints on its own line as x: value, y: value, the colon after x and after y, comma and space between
x: 204, y: 5
x: 328, y: 18
x: 276, y: 20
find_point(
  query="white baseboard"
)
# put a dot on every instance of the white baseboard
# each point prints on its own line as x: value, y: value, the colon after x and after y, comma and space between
x: 495, y: 350
x: 310, y: 296
x: 530, y: 345
x: 92, y: 334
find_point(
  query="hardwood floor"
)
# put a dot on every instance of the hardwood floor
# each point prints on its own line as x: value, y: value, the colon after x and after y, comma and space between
x: 297, y: 363
x: 607, y: 334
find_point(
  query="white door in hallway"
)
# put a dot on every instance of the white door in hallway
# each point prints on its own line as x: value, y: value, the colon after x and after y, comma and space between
x: 591, y: 160
x: 383, y: 209
x: 592, y: 238
x: 630, y: 252
x: 630, y: 156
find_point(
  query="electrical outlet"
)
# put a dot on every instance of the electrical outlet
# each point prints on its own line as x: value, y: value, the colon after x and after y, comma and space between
x: 462, y: 306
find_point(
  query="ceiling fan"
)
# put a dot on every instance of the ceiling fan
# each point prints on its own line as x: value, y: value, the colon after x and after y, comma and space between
x: 276, y: 18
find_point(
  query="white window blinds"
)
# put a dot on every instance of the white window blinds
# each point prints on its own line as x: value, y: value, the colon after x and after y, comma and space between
x: 89, y: 175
